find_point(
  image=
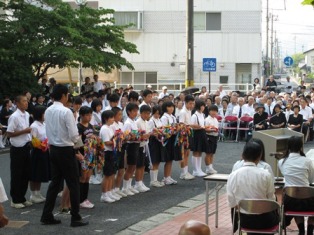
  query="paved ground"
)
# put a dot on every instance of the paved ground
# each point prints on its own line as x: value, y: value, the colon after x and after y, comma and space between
x: 120, y: 216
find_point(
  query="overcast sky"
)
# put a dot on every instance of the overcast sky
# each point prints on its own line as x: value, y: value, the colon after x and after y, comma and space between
x: 294, y: 25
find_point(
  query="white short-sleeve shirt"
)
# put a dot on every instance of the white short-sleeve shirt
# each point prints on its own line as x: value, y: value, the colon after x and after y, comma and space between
x: 106, y: 134
x: 38, y: 130
x: 185, y: 116
x: 198, y: 119
x: 19, y: 121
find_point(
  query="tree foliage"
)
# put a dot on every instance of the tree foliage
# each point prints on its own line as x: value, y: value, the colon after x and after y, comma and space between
x: 43, y: 34
x: 308, y: 2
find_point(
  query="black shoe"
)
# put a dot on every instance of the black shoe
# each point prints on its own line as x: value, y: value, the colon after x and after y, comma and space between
x: 50, y: 221
x: 78, y: 223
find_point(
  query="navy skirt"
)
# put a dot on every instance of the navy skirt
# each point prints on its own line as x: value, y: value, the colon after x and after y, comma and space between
x: 171, y: 152
x: 155, y: 150
x: 40, y: 166
x: 200, y: 143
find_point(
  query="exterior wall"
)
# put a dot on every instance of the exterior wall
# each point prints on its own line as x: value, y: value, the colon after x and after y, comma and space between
x: 162, y: 40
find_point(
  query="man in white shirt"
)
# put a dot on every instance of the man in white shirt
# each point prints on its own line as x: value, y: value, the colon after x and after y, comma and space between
x: 97, y: 84
x: 288, y: 86
x: 251, y: 182
x: 19, y: 133
x: 163, y: 93
x: 3, y: 197
x: 269, y: 106
x: 62, y: 134
x: 249, y: 107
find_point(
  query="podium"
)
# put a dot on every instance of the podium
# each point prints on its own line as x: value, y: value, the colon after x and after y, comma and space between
x: 275, y: 140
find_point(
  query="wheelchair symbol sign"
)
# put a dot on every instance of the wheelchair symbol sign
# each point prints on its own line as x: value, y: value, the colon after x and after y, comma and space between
x: 209, y: 64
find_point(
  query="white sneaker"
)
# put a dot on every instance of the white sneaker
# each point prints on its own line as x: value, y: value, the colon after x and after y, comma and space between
x: 120, y: 193
x: 36, y: 199
x: 106, y: 198
x: 113, y: 197
x: 145, y: 187
x: 182, y: 176
x: 211, y: 171
x: 199, y: 173
x: 173, y: 181
x: 133, y: 190
x: 94, y: 180
x: 41, y: 196
x: 188, y: 176
x: 116, y: 195
x: 89, y: 203
x: 168, y: 181
x: 86, y: 205
x: 162, y: 184
x: 27, y: 203
x: 140, y: 188
x: 127, y: 192
x: 17, y: 205
x: 99, y: 177
x: 156, y: 184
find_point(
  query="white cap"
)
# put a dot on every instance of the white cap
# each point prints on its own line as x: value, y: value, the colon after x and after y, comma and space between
x: 149, y: 86
x: 164, y: 88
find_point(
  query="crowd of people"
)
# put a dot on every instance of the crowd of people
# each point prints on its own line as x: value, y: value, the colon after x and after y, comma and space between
x: 48, y: 135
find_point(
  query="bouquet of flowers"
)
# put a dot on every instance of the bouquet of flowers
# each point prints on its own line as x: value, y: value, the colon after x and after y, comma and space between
x: 93, y: 153
x: 183, y: 133
x: 118, y: 138
x: 164, y: 133
x: 135, y: 135
x: 40, y: 144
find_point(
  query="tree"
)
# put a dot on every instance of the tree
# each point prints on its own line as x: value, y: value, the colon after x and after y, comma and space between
x: 308, y: 2
x: 43, y: 34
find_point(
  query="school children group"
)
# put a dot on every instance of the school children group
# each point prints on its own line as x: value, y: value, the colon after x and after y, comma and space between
x: 121, y: 165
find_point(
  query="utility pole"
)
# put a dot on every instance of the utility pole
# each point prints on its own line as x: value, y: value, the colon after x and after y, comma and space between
x: 189, y: 73
x: 266, y: 66
x: 271, y: 44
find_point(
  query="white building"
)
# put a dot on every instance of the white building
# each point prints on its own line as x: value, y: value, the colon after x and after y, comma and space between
x: 229, y: 30
x: 309, y: 59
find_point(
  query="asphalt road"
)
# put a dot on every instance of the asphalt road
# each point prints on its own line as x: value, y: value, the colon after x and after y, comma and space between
x: 112, y: 218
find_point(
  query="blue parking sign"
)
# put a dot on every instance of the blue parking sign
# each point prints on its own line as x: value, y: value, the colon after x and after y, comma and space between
x: 209, y: 64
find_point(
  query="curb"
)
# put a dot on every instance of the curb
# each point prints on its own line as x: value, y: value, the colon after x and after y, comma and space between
x: 167, y: 215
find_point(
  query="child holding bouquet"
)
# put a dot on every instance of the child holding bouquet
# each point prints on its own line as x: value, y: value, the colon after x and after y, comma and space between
x: 40, y: 164
x: 106, y: 134
x: 142, y: 124
x: 155, y: 146
x: 171, y: 151
x: 86, y: 131
x: 211, y: 125
x: 132, y: 148
x: 200, y: 144
x: 117, y: 127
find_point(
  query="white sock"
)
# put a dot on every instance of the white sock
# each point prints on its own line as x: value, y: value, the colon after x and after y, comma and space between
x: 194, y: 159
x: 183, y: 171
x: 199, y: 164
x: 168, y: 178
x: 130, y: 183
x: 33, y: 193
x: 207, y: 167
x: 211, y: 166
x: 117, y: 189
x: 137, y: 183
x: 125, y: 184
x: 155, y: 175
x: 151, y: 173
x: 186, y: 169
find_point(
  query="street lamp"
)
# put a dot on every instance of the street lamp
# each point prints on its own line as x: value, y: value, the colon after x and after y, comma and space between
x: 80, y: 3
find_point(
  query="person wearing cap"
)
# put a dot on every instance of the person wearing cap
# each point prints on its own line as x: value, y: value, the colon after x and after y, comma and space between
x: 149, y: 87
x: 278, y: 120
x: 163, y: 93
x: 260, y: 118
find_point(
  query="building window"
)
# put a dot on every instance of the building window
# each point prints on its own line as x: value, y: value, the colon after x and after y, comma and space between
x: 223, y: 79
x: 213, y: 21
x: 133, y: 19
x: 140, y: 80
x: 208, y: 21
x: 199, y: 21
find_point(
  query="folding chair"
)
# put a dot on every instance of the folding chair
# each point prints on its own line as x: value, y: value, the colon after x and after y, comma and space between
x: 259, y: 206
x: 246, y: 120
x: 297, y: 192
x: 226, y: 124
